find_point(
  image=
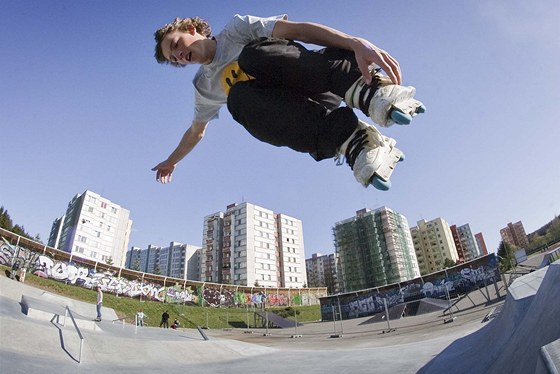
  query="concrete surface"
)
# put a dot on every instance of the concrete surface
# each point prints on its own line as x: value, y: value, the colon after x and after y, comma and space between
x: 512, y: 342
x: 407, y: 345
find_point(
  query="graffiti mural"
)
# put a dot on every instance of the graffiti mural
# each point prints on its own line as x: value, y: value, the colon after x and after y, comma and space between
x: 62, y: 267
x: 455, y: 281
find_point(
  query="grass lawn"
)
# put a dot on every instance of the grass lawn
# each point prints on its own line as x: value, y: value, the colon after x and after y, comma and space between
x: 189, y: 316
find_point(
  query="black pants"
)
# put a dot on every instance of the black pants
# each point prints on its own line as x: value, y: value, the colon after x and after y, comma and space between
x: 293, y: 100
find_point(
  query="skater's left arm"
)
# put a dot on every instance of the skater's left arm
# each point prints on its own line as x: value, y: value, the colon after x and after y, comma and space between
x: 366, y: 53
x: 190, y: 139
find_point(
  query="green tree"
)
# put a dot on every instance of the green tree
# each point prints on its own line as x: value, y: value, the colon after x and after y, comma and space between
x: 548, y: 234
x: 19, y: 230
x: 287, y: 312
x: 5, y: 220
x: 507, y: 255
x: 448, y: 263
x: 7, y: 224
x: 136, y: 265
x: 157, y: 270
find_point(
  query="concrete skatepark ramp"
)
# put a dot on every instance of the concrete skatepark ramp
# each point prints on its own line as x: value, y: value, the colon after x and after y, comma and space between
x: 412, y: 308
x: 276, y: 320
x: 511, y: 342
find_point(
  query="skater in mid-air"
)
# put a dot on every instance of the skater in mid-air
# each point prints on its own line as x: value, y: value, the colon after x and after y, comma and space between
x: 287, y: 95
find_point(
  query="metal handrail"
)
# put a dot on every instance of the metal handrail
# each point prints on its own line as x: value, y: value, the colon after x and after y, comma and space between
x: 69, y: 312
x: 123, y: 320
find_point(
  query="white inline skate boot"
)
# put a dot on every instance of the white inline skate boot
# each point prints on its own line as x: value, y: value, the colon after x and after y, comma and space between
x: 370, y: 155
x: 384, y: 102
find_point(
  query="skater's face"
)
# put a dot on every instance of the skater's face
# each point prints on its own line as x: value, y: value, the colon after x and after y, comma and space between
x: 186, y: 47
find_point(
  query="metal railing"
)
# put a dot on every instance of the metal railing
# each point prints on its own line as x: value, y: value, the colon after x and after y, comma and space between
x: 68, y: 312
x: 119, y: 320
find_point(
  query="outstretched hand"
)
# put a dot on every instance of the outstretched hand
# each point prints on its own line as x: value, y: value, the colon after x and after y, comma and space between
x: 367, y: 54
x: 164, y: 171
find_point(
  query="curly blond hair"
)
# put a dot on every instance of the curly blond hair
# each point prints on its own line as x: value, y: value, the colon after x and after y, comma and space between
x: 181, y: 24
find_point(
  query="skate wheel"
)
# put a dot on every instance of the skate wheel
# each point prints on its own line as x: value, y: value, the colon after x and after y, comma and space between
x: 400, y: 117
x: 379, y: 183
x: 421, y: 109
x: 402, y: 158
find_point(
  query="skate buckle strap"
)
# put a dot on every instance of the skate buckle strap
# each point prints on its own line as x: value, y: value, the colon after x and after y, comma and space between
x: 367, y: 92
x: 355, y: 147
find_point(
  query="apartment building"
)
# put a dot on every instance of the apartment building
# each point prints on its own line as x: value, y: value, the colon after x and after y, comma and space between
x: 514, y: 234
x: 253, y: 246
x: 177, y: 260
x: 465, y: 242
x: 93, y: 228
x: 481, y: 243
x: 374, y: 248
x: 434, y: 245
x: 321, y: 272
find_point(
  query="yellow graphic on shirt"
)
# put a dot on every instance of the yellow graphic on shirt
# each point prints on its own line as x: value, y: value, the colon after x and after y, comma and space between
x: 233, y: 74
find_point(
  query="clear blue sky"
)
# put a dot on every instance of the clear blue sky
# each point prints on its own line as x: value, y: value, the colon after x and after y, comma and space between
x: 83, y: 105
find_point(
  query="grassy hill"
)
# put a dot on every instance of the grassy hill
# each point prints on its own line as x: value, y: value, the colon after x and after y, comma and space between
x: 189, y: 316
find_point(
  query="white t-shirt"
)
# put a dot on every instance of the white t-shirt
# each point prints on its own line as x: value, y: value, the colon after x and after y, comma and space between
x: 212, y: 81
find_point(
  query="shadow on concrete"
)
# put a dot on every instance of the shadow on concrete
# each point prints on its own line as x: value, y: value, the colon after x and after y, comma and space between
x: 511, y: 342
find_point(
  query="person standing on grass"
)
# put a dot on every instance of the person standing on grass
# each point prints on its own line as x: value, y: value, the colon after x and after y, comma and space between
x: 164, y: 320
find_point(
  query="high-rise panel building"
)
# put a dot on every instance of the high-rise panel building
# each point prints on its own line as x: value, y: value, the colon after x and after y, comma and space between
x: 291, y: 251
x: 253, y: 246
x: 321, y: 272
x: 177, y: 260
x: 56, y: 232
x: 434, y: 245
x: 374, y: 248
x: 216, y: 245
x: 481, y: 244
x: 465, y: 242
x: 514, y: 234
x: 94, y: 228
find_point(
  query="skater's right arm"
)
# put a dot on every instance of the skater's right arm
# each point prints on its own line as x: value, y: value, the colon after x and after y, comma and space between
x: 190, y: 139
x: 366, y: 52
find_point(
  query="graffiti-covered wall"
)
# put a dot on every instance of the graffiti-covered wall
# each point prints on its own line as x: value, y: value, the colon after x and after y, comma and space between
x: 51, y: 263
x: 456, y: 280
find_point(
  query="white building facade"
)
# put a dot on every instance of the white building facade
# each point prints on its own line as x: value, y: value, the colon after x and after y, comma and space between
x: 321, y: 272
x: 177, y: 260
x: 252, y: 246
x: 433, y: 244
x: 94, y: 228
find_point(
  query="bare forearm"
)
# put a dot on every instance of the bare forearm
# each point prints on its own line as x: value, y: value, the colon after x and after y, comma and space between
x: 365, y: 52
x: 190, y: 139
x: 309, y: 32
